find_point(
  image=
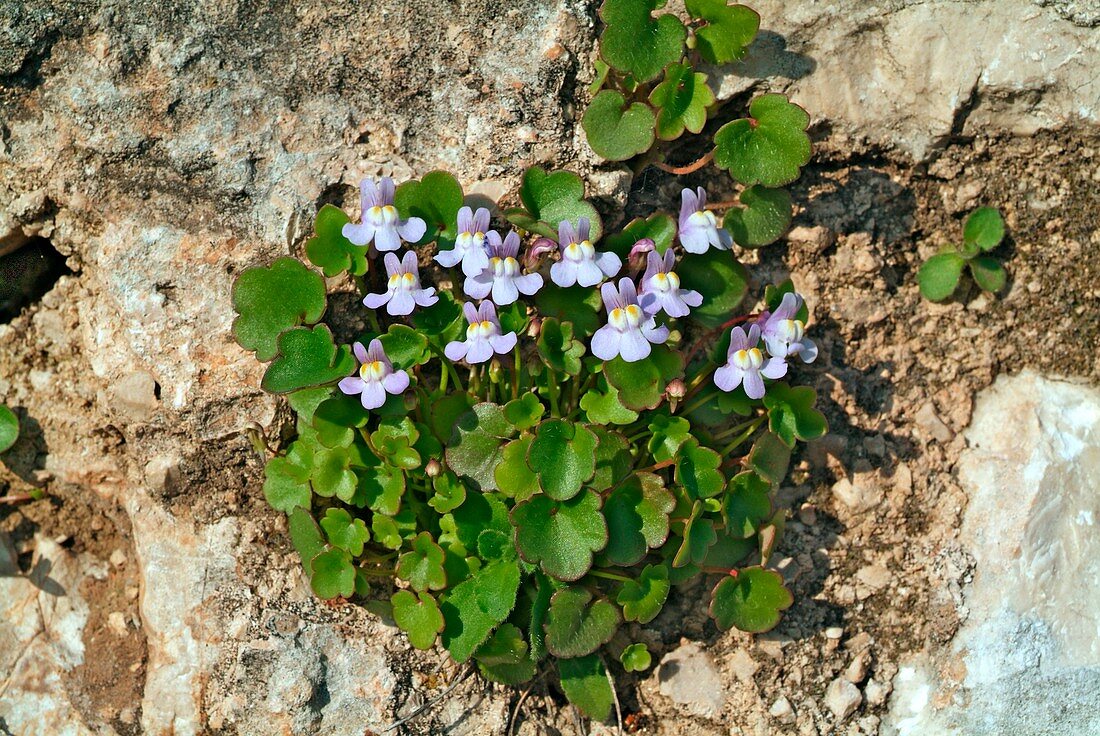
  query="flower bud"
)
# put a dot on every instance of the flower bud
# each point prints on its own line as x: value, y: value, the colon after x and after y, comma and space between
x: 433, y: 469
x: 676, y: 389
x: 496, y: 372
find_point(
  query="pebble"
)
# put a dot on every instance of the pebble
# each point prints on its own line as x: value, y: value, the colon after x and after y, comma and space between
x: 135, y: 395
x: 743, y: 665
x: 876, y: 692
x: 819, y: 237
x: 930, y: 425
x: 116, y: 621
x: 842, y: 698
x: 118, y: 558
x: 834, y: 632
x: 781, y: 710
x: 857, y: 668
x: 859, y: 496
x: 807, y: 514
x: 688, y: 676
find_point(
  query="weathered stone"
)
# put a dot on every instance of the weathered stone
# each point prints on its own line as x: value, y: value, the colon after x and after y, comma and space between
x: 688, y: 676
x: 782, y: 711
x: 842, y: 698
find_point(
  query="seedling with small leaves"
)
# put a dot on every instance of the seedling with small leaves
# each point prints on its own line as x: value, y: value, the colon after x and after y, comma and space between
x: 540, y: 435
x: 9, y: 428
x: 940, y: 275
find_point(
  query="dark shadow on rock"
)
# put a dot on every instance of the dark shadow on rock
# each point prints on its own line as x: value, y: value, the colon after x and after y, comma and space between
x: 28, y: 455
x: 768, y: 56
x: 867, y: 200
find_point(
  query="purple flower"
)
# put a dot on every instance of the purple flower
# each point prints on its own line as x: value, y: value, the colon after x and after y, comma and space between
x: 661, y: 287
x: 483, y: 337
x: 629, y: 330
x: 746, y: 364
x: 698, y: 226
x: 403, y: 290
x: 470, y: 245
x: 380, y: 222
x: 376, y: 376
x: 784, y: 335
x: 580, y: 263
x: 503, y: 275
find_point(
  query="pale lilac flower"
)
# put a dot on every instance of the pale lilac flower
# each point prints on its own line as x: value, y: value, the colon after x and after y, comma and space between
x: 503, y: 275
x: 380, y: 221
x: 640, y: 251
x: 580, y: 263
x: 483, y: 338
x: 538, y: 249
x: 698, y: 226
x: 629, y: 330
x: 661, y: 287
x: 470, y: 245
x: 376, y: 376
x: 403, y: 291
x: 784, y: 335
x: 746, y: 364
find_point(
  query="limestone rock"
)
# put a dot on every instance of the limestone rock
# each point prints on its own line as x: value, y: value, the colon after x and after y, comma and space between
x: 842, y: 698
x: 688, y: 676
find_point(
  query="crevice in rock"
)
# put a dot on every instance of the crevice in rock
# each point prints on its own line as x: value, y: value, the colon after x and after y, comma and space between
x: 26, y: 274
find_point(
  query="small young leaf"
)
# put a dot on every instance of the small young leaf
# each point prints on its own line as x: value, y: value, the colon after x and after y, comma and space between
x: 335, y: 420
x: 286, y: 480
x: 939, y: 276
x: 601, y: 68
x: 524, y: 412
x: 420, y: 618
x: 747, y: 504
x: 667, y: 433
x: 660, y: 228
x: 562, y: 455
x: 449, y: 493
x: 770, y: 457
x: 988, y: 273
x: 386, y: 531
x: 345, y: 532
x: 393, y: 441
x: 617, y: 131
x: 602, y: 406
x: 642, y: 599
x: 637, y: 43
x: 791, y: 413
x: 984, y: 228
x: 436, y: 199
x: 480, y: 511
x: 721, y: 280
x: 682, y: 100
x: 699, y: 535
x: 271, y: 300
x: 549, y: 199
x: 405, y: 347
x: 728, y: 32
x: 329, y: 250
x: 307, y: 357
x: 764, y: 215
x: 577, y: 625
x: 333, y: 574
x: 504, y: 657
x: 380, y: 489
x: 472, y: 609
x: 561, y: 536
x: 477, y: 443
x: 423, y: 565
x: 641, y: 384
x: 9, y: 429
x: 768, y: 148
x: 558, y: 348
x: 493, y: 544
x: 636, y: 658
x: 697, y: 470
x: 751, y: 601
x: 514, y: 477
x: 637, y: 518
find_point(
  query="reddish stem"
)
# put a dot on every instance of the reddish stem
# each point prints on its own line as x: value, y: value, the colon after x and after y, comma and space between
x: 689, y: 168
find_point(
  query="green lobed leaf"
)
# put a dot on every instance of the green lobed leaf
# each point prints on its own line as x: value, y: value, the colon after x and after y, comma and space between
x: 641, y: 384
x: 601, y: 68
x: 548, y: 199
x: 603, y: 406
x: 560, y: 536
x: 751, y: 600
x: 762, y: 218
x: 472, y: 609
x: 331, y: 474
x: 660, y: 228
x: 747, y: 504
x: 307, y: 357
x: 333, y: 574
x: 584, y: 681
x: 514, y: 477
x: 768, y: 148
x: 445, y: 413
x: 286, y: 479
x: 770, y: 458
x: 477, y: 442
x: 728, y: 32
x: 329, y: 250
x: 939, y: 276
x: 9, y: 429
x: 988, y: 273
x: 728, y: 552
x: 436, y: 199
x: 405, y: 347
x: 493, y: 544
x: 667, y: 433
x: 449, y: 493
x: 272, y: 300
x: 418, y: 616
x: 576, y: 305
x: 306, y: 537
x: 984, y: 228
x: 380, y: 488
x: 682, y: 100
x: 642, y: 599
x: 335, y: 420
x: 699, y: 535
x: 635, y: 42
x: 791, y: 413
x: 479, y: 512
x: 524, y: 412
x: 442, y: 322
x: 344, y: 531
x: 559, y: 348
x: 613, y: 459
x: 393, y: 441
x: 722, y: 281
x: 503, y: 658
x: 562, y: 456
x: 391, y: 531
x: 637, y: 518
x: 577, y: 625
x: 636, y: 658
x: 422, y: 566
x: 617, y: 131
x: 697, y: 470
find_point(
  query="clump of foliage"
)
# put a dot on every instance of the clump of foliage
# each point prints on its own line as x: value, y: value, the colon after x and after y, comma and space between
x: 525, y: 452
x: 9, y: 428
x: 983, y: 231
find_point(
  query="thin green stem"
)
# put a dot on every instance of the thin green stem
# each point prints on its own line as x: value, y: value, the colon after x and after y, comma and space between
x: 517, y: 372
x: 702, y: 400
x: 552, y: 387
x: 753, y: 426
x: 609, y: 575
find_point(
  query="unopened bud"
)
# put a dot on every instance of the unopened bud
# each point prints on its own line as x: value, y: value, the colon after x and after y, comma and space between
x: 433, y: 468
x: 536, y: 251
x: 496, y: 372
x: 534, y: 328
x: 676, y: 389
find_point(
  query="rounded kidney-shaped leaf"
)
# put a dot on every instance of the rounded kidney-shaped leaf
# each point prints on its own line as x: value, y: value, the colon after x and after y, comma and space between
x: 560, y: 536
x: 635, y: 42
x: 764, y: 215
x: 617, y: 131
x: 576, y: 625
x: 681, y: 100
x: 768, y: 148
x: 419, y: 617
x: 984, y: 228
x: 307, y: 357
x: 562, y: 455
x: 9, y: 428
x: 751, y: 601
x: 329, y: 250
x: 728, y: 31
x: 274, y: 299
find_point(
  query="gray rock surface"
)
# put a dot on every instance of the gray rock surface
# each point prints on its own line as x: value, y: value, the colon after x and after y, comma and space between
x: 1027, y: 660
x: 688, y: 676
